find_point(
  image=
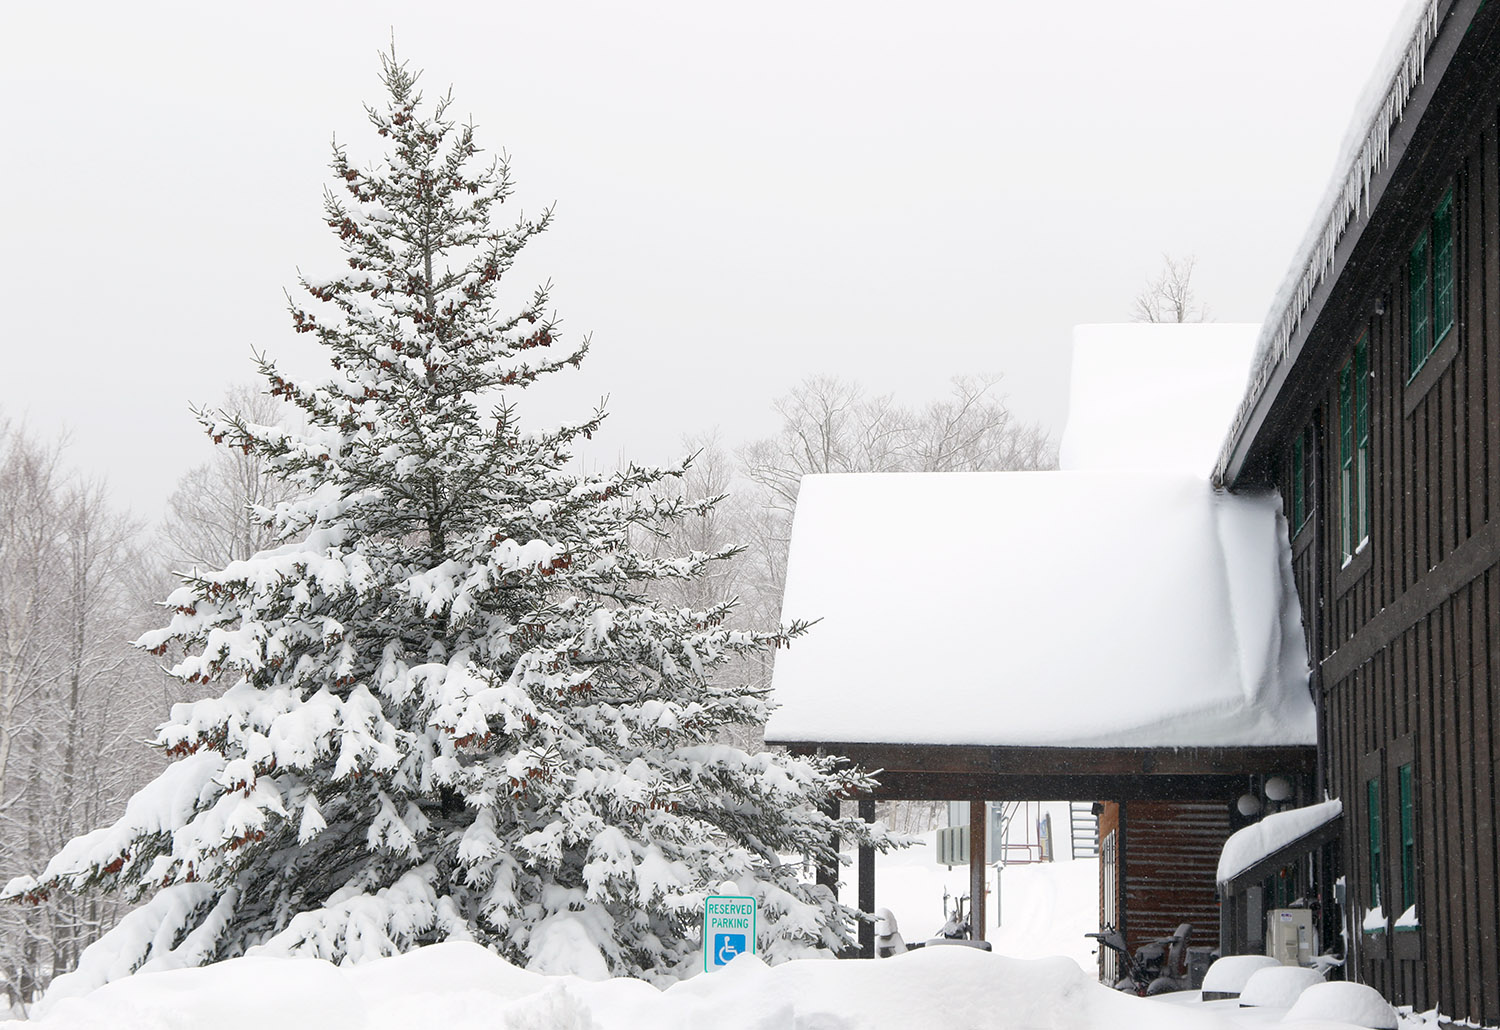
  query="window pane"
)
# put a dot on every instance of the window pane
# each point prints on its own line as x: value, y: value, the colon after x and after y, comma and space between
x: 1408, y: 839
x: 1299, y: 503
x: 1362, y: 439
x: 1417, y: 287
x: 1309, y: 486
x: 1442, y: 268
x: 1373, y: 787
x: 1346, y: 462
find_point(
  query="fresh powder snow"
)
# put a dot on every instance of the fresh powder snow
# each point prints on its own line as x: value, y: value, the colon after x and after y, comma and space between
x: 461, y: 986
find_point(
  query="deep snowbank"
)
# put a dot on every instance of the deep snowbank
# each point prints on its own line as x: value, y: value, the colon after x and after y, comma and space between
x: 462, y: 986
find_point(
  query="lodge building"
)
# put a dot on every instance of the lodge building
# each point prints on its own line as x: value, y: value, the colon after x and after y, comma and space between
x: 1375, y: 413
x: 1360, y: 665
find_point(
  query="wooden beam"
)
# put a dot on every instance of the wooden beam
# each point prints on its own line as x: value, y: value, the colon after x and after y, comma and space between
x: 867, y: 885
x: 919, y: 786
x: 971, y: 759
x: 978, y: 824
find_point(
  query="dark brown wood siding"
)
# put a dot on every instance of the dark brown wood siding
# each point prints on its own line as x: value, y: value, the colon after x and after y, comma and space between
x: 1407, y: 632
x: 1171, y: 855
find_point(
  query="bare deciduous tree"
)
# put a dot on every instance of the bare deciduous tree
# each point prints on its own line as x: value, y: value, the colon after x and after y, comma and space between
x: 1169, y: 297
x: 72, y: 695
x: 211, y: 518
x: 832, y: 425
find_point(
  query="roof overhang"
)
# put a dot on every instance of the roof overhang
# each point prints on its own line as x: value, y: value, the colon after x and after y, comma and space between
x: 1246, y: 460
x: 1325, y: 833
x: 927, y: 772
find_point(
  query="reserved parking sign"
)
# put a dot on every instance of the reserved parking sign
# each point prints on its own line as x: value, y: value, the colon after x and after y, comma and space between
x: 728, y: 929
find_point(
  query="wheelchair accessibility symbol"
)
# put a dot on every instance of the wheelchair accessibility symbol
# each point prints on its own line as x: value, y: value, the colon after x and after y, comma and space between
x: 727, y: 946
x: 729, y: 927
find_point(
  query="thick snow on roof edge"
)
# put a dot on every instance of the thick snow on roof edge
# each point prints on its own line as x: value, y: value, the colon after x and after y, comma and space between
x: 1154, y: 395
x: 1040, y: 609
x: 1248, y: 846
x: 1364, y: 153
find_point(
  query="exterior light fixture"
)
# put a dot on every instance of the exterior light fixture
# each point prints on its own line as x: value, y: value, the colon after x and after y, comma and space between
x: 1248, y: 805
x: 1278, y: 788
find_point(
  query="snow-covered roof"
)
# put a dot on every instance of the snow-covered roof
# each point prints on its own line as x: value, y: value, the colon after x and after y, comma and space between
x: 1040, y: 609
x: 1259, y: 840
x: 1154, y: 395
x: 1365, y: 153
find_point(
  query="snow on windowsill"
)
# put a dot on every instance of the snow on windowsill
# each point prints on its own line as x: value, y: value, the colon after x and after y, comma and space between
x: 1374, y: 921
x: 1358, y: 550
x: 1407, y: 921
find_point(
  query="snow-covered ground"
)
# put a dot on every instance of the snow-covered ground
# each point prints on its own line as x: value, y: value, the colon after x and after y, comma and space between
x: 1044, y: 911
x: 463, y: 987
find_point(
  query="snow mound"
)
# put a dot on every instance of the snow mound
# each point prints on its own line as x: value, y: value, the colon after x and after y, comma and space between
x: 1248, y: 846
x: 1157, y: 396
x: 1229, y: 974
x: 1342, y: 1001
x: 463, y: 987
x: 1278, y: 986
x: 973, y: 591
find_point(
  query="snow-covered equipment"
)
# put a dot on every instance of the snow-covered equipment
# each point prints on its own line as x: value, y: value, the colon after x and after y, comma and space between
x: 956, y: 927
x: 1227, y: 977
x: 888, y: 940
x: 1343, y: 1001
x: 1290, y: 936
x: 1278, y: 987
x: 1156, y: 967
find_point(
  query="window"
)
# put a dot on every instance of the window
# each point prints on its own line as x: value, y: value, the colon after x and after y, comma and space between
x: 1430, y: 283
x: 1372, y: 788
x: 1354, y: 450
x: 1408, y: 838
x: 1301, y: 479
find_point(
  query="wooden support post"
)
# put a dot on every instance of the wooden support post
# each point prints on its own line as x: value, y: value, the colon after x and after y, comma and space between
x: 978, y: 824
x: 828, y: 874
x: 867, y: 885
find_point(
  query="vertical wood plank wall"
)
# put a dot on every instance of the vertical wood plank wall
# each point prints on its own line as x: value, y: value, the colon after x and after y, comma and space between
x: 1171, y: 857
x: 1409, y: 634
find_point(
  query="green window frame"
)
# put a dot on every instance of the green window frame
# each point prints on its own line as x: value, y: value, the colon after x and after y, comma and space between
x: 1418, y: 287
x: 1300, y: 481
x: 1372, y: 789
x: 1442, y: 269
x: 1354, y: 450
x: 1408, y: 837
x: 1432, y: 285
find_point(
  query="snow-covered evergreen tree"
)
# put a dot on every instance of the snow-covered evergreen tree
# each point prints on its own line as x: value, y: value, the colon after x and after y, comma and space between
x: 454, y: 709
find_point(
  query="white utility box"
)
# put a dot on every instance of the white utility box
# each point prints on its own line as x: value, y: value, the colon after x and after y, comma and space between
x: 1289, y: 936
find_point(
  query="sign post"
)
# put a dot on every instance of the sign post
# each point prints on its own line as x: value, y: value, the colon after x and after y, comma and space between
x: 728, y: 929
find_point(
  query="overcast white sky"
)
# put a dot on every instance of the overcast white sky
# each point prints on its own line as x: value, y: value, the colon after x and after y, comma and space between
x: 746, y: 194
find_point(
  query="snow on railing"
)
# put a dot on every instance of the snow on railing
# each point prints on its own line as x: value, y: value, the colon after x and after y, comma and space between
x: 1364, y: 155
